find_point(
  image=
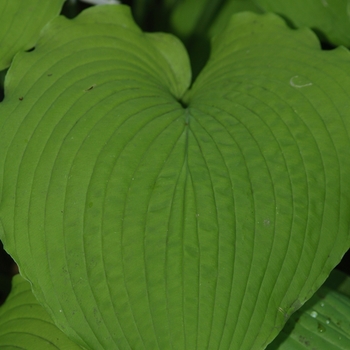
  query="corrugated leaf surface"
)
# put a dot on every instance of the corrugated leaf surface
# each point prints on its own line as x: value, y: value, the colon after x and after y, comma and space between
x: 150, y: 216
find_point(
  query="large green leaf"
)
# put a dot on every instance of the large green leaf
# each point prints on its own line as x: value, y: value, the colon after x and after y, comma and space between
x: 330, y: 18
x: 24, y: 324
x: 157, y: 226
x: 21, y: 22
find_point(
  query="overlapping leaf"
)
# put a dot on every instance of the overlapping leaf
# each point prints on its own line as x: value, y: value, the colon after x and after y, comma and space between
x: 322, y: 323
x: 330, y: 18
x: 191, y: 16
x: 229, y: 8
x: 157, y: 226
x: 24, y: 324
x: 21, y: 22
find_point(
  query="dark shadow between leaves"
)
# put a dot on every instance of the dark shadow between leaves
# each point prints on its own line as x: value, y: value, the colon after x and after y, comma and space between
x: 6, y: 272
x: 2, y: 81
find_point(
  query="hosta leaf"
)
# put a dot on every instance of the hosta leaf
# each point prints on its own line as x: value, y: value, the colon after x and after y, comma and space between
x: 322, y: 323
x: 272, y: 99
x: 229, y: 8
x: 24, y: 323
x: 157, y: 226
x: 21, y: 22
x: 191, y: 16
x: 330, y: 18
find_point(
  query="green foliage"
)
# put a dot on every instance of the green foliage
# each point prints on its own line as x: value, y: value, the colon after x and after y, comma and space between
x: 322, y: 323
x: 151, y: 212
x: 330, y: 18
x: 24, y: 323
x: 21, y: 22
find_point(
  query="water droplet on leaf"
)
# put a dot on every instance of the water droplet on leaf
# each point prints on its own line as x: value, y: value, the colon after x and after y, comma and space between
x: 314, y: 314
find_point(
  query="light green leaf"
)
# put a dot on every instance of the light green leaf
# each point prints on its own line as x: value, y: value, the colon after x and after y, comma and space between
x: 156, y: 226
x: 24, y: 323
x: 173, y: 52
x: 270, y: 98
x: 322, y: 323
x: 330, y: 18
x: 21, y: 22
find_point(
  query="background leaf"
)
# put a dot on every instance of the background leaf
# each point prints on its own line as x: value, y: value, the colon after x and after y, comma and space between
x: 229, y: 8
x: 21, y: 22
x: 24, y: 323
x: 322, y: 323
x: 156, y: 226
x: 195, y: 22
x: 191, y: 17
x: 329, y: 18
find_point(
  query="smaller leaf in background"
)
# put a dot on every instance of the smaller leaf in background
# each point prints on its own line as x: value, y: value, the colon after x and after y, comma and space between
x: 193, y: 17
x: 329, y: 18
x: 24, y: 324
x: 188, y: 14
x: 189, y: 20
x: 195, y: 22
x: 231, y: 7
x: 21, y: 23
x: 322, y: 323
x: 102, y: 2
